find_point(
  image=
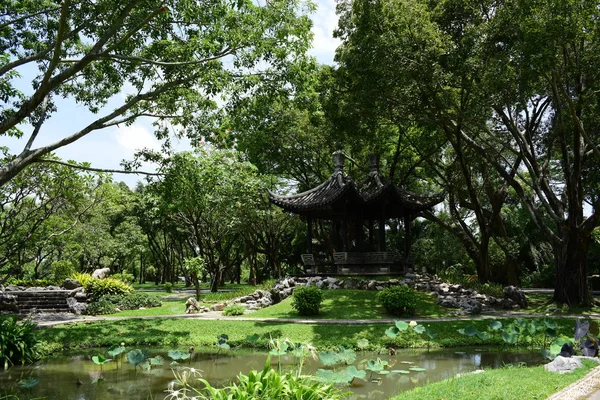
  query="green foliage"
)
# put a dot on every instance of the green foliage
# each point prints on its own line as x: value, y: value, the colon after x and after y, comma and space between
x: 107, y: 304
x: 168, y: 287
x: 61, y: 270
x: 29, y: 282
x: 83, y: 278
x: 265, y: 384
x: 398, y: 300
x: 97, y: 288
x: 124, y: 277
x: 307, y: 300
x: 234, y: 309
x: 18, y: 342
x: 135, y: 357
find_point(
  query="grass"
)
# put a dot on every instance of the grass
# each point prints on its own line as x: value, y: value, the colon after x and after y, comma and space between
x: 196, y: 332
x: 351, y: 304
x: 176, y: 304
x: 541, y: 303
x: 513, y: 383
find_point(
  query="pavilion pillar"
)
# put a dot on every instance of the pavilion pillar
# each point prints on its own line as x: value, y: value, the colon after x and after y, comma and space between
x: 345, y: 235
x: 309, y: 235
x: 407, y: 238
x: 381, y: 234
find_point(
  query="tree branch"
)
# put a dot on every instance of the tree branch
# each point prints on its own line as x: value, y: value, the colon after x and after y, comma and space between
x: 91, y: 169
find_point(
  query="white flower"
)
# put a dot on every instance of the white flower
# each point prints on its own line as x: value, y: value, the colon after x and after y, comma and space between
x: 412, y: 324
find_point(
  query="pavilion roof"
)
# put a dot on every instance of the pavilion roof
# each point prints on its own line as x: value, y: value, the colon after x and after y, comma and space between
x: 339, y: 197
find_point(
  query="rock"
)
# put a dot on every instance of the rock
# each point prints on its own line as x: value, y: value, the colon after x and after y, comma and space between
x: 516, y: 295
x: 372, y: 285
x: 81, y: 296
x: 192, y: 306
x: 449, y: 302
x: 101, y: 273
x: 455, y: 287
x: 76, y: 307
x: 507, y: 304
x: 275, y: 296
x: 563, y: 365
x: 52, y: 287
x: 13, y: 288
x: 71, y: 284
x: 217, y: 307
x: 8, y: 302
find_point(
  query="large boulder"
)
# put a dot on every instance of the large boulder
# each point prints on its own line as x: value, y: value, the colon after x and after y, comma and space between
x: 76, y: 307
x: 8, y: 302
x: 101, y: 273
x: 192, y: 306
x: 516, y: 295
x: 563, y: 365
x: 71, y: 284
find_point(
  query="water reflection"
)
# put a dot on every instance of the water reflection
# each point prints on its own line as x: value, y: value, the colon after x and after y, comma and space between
x: 59, y: 376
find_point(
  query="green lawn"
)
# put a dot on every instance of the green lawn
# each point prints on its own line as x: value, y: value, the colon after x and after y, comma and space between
x: 541, y: 303
x: 351, y: 304
x: 516, y: 383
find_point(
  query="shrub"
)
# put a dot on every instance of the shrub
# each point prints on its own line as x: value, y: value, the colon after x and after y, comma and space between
x: 124, y: 277
x: 62, y: 270
x: 307, y: 300
x: 18, y: 344
x: 398, y: 300
x: 100, y: 287
x: 83, y: 278
x: 168, y: 287
x: 29, y: 282
x: 234, y: 309
x: 132, y: 301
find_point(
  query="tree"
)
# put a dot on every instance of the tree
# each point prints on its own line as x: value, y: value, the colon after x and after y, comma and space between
x: 39, y: 209
x: 209, y: 197
x: 512, y: 81
x: 178, y: 58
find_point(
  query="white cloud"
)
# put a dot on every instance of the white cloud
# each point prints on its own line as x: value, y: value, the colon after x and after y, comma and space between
x: 325, y: 21
x: 135, y: 137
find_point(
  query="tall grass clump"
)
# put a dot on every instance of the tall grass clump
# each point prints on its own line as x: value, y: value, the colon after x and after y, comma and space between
x: 18, y: 343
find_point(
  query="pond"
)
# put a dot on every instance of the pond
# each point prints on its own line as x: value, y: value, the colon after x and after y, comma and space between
x: 75, y: 376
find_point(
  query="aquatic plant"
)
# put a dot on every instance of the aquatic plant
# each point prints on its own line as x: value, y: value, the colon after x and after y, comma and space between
x: 265, y: 384
x: 100, y: 360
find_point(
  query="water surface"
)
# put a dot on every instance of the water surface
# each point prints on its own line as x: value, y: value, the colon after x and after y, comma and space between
x: 58, y: 377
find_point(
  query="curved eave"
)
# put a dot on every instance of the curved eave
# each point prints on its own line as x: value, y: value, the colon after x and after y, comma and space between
x: 320, y: 198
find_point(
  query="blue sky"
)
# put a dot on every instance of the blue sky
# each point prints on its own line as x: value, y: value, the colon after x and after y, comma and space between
x: 108, y: 147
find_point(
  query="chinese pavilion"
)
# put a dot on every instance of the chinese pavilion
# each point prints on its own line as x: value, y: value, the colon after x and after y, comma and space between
x: 351, y: 208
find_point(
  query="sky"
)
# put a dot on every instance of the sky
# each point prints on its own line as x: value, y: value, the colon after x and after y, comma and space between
x: 108, y: 147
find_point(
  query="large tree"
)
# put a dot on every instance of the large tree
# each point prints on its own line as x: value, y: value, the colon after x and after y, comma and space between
x: 515, y: 82
x: 166, y: 60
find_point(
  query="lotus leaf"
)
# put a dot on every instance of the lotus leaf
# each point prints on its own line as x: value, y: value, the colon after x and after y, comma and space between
x: 392, y: 332
x: 362, y: 344
x: 135, y: 357
x: 496, y: 325
x: 178, y: 355
x: 419, y: 329
x: 401, y: 325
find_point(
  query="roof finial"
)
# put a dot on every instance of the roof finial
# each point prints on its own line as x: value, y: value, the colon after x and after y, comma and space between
x: 338, y: 161
x: 373, y: 164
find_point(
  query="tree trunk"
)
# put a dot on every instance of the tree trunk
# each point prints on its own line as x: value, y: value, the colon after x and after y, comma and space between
x: 484, y: 273
x: 571, y: 285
